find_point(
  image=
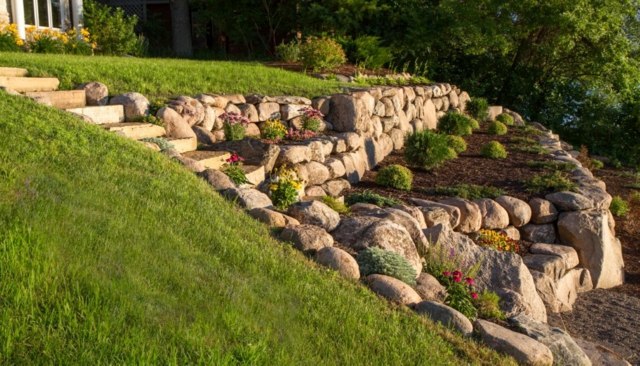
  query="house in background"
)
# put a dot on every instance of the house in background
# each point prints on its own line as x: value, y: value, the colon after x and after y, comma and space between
x: 57, y: 14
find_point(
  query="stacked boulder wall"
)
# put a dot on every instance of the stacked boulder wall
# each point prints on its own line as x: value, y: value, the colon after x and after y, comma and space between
x: 502, y: 272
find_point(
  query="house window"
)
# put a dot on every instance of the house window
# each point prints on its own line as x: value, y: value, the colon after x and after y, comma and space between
x: 43, y: 13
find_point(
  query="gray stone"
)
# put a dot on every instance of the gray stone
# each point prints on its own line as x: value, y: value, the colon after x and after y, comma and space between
x: 493, y: 215
x: 336, y: 168
x: 211, y: 100
x: 567, y: 253
x: 249, y: 111
x: 564, y: 349
x: 203, y: 135
x: 339, y: 260
x: 248, y: 198
x: 429, y: 288
x: 348, y: 114
x: 539, y: 233
x: 272, y: 218
x: 293, y: 154
x: 318, y: 173
x: 307, y: 238
x: 542, y: 211
x: 570, y: 201
x: 525, y: 350
x: 315, y: 213
x: 268, y: 110
x: 336, y: 187
x: 470, y: 215
x: 314, y: 191
x: 550, y: 265
x: 511, y: 232
x: 445, y: 315
x: 96, y: 93
x: 392, y: 289
x: 428, y: 206
x: 217, y: 179
x: 405, y: 220
x: 209, y: 120
x: 414, y: 212
x: 136, y: 106
x: 518, y: 210
x: 191, y: 164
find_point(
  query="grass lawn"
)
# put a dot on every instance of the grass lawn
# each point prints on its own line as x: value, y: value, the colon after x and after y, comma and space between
x: 112, y: 254
x: 161, y: 78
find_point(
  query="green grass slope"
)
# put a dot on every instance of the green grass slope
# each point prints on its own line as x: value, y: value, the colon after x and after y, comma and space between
x: 113, y: 254
x: 156, y: 77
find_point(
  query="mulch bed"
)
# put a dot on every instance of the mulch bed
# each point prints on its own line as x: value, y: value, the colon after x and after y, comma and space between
x: 470, y: 167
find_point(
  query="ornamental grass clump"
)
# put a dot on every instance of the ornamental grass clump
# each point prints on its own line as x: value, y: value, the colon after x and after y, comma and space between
x: 234, y: 126
x: 493, y: 150
x: 311, y: 119
x: 233, y: 169
x: 379, y: 261
x: 428, y: 149
x: 498, y: 241
x: 497, y: 128
x: 478, y: 108
x: 488, y: 305
x: 454, y: 123
x: 505, y: 118
x: 395, y: 176
x: 285, y: 187
x: 457, y: 143
x: 371, y: 197
x: 273, y: 129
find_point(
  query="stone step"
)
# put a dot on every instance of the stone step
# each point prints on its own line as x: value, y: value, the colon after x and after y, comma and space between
x: 210, y: 159
x: 185, y: 144
x: 105, y: 114
x: 63, y: 99
x: 13, y: 71
x: 255, y: 174
x: 135, y: 130
x: 24, y: 84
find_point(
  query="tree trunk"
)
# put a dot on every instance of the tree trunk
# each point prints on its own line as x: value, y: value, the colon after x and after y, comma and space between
x: 181, y: 28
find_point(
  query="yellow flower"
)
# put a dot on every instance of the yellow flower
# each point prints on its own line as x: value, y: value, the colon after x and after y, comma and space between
x: 19, y: 42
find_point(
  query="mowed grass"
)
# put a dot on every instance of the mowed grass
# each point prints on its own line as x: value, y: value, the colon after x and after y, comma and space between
x: 163, y: 78
x: 113, y: 254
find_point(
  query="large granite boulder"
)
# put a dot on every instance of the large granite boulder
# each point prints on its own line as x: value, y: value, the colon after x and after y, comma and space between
x: 525, y: 350
x: 315, y: 213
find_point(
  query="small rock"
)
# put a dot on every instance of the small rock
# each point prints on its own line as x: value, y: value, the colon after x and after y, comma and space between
x: 217, y: 179
x: 136, y: 106
x: 525, y: 350
x: 429, y: 288
x: 539, y: 233
x: 174, y: 125
x: 392, y: 289
x: 336, y: 187
x: 567, y: 253
x: 315, y: 213
x: 542, y: 211
x: 518, y: 210
x: 191, y: 164
x: 272, y: 218
x: 191, y: 110
x: 203, y: 135
x: 493, y: 215
x: 307, y: 238
x: 339, y: 260
x: 248, y: 198
x: 96, y: 93
x: 427, y: 207
x: 511, y: 232
x: 470, y: 215
x: 570, y: 201
x: 445, y: 315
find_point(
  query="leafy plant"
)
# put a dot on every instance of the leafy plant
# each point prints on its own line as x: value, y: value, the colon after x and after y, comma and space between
x: 554, y: 182
x: 336, y: 205
x: 497, y: 241
x: 285, y: 187
x: 505, y: 118
x: 454, y: 123
x: 469, y: 191
x: 370, y: 54
x: 523, y: 140
x: 428, y: 149
x: 619, y: 207
x: 395, y: 176
x: 234, y: 126
x: 457, y: 143
x: 10, y: 41
x: 273, y: 129
x: 113, y: 30
x: 497, y: 128
x: 475, y: 124
x: 460, y: 292
x: 162, y: 143
x: 371, y: 197
x: 299, y: 135
x: 288, y: 52
x: 554, y: 165
x: 321, y: 53
x: 233, y: 169
x: 488, y: 305
x: 478, y: 108
x: 493, y: 150
x: 596, y: 164
x: 379, y: 261
x: 311, y: 119
x: 531, y: 149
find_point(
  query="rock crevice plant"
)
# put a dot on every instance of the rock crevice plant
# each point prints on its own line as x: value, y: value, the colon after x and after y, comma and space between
x: 234, y: 126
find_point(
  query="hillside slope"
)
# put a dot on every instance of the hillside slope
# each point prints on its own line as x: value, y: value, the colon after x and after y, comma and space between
x: 111, y: 253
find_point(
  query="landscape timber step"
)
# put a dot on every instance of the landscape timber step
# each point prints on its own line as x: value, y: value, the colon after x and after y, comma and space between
x: 63, y: 99
x: 184, y: 145
x: 25, y: 84
x: 255, y: 174
x: 13, y: 71
x: 100, y: 115
x: 210, y: 159
x: 135, y: 130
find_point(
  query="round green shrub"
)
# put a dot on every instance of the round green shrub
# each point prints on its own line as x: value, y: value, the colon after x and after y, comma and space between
x: 507, y: 119
x: 475, y: 124
x: 428, y: 149
x: 321, y: 53
x: 497, y: 128
x: 454, y: 123
x: 494, y: 150
x: 379, y: 261
x: 288, y: 52
x: 619, y: 207
x: 457, y: 143
x: 395, y: 176
x: 478, y: 108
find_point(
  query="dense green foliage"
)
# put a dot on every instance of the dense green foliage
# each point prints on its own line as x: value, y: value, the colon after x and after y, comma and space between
x: 488, y: 305
x: 111, y: 253
x: 469, y: 191
x: 551, y: 182
x: 493, y: 150
x: 454, y: 123
x: 336, y: 205
x: 371, y: 197
x: 506, y: 119
x: 428, y: 149
x: 376, y: 260
x: 478, y: 108
x: 457, y: 143
x: 112, y: 29
x: 395, y: 176
x: 619, y: 207
x: 497, y: 128
x: 321, y: 53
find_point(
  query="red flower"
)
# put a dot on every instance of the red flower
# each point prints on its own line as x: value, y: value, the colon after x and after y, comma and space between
x: 474, y: 295
x: 470, y: 281
x: 446, y: 273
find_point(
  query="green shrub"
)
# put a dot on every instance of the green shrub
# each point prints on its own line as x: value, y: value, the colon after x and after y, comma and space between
x: 336, y: 205
x: 428, y: 149
x: 395, y: 176
x: 112, y: 29
x: 321, y: 53
x: 288, y: 52
x: 460, y: 292
x: 493, y: 150
x: 619, y: 207
x: 162, y: 143
x: 475, y: 124
x: 371, y: 197
x: 285, y: 187
x: 488, y: 305
x: 596, y: 164
x: 555, y: 182
x: 454, y: 123
x: 457, y: 143
x: 497, y: 128
x: 9, y: 40
x: 478, y: 108
x: 379, y: 261
x: 469, y: 191
x: 273, y: 129
x: 369, y: 53
x: 235, y: 173
x: 554, y: 165
x: 507, y: 119
x: 531, y: 149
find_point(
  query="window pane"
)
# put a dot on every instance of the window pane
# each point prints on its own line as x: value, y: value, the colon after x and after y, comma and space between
x: 29, y: 16
x: 55, y: 9
x: 43, y: 14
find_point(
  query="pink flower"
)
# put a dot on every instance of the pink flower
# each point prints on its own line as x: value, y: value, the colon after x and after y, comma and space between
x: 470, y: 281
x: 234, y: 158
x: 474, y: 295
x: 446, y: 273
x: 457, y: 279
